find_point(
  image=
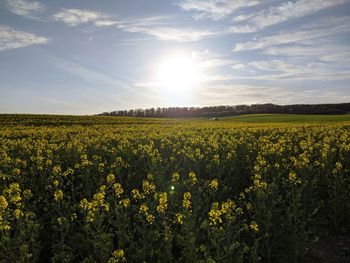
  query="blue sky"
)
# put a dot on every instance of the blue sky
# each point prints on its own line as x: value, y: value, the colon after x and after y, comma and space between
x: 86, y: 57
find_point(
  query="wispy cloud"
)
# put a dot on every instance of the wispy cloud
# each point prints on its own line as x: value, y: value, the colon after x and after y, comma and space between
x: 215, y: 9
x: 320, y: 29
x: 11, y: 39
x: 24, y: 8
x: 283, y: 12
x: 74, y: 17
x: 290, y: 69
x: 160, y: 28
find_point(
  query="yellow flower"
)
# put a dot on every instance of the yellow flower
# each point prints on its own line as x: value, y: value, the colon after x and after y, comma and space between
x: 179, y: 218
x: 150, y: 176
x: 17, y: 213
x: 125, y: 202
x: 56, y: 183
x: 148, y: 187
x: 58, y: 195
x: 163, y: 202
x: 214, y: 184
x: 136, y: 194
x: 175, y: 177
x: 3, y: 203
x: 186, y: 202
x: 27, y: 193
x: 193, y: 178
x: 118, y: 256
x: 227, y: 206
x: 143, y: 209
x: 215, y: 215
x: 56, y: 169
x: 110, y: 178
x: 118, y: 189
x: 99, y: 198
x: 85, y: 205
x: 16, y: 171
x: 292, y: 177
x: 254, y: 226
x: 150, y: 218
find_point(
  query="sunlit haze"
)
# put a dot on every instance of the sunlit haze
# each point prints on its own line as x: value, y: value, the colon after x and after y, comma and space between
x: 177, y: 77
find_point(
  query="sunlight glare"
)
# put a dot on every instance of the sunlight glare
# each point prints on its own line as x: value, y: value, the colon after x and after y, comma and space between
x: 177, y: 77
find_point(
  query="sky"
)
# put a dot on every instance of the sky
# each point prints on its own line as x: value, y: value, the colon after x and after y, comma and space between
x: 87, y: 57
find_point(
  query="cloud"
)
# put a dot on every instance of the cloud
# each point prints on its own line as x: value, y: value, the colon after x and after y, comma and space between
x: 215, y: 9
x: 306, y: 35
x: 180, y: 35
x: 300, y: 69
x: 159, y: 28
x: 24, y: 8
x: 74, y: 17
x: 238, y: 66
x: 283, y: 12
x: 11, y: 39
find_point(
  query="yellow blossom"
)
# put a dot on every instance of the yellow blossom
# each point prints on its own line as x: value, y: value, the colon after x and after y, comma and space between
x: 193, y: 178
x: 175, y: 177
x: 215, y: 215
x: 150, y: 218
x: 136, y: 194
x: 186, y: 202
x: 148, y: 187
x: 17, y: 213
x: 179, y: 218
x: 254, y: 226
x: 118, y: 189
x: 150, y: 177
x: 110, y: 179
x: 3, y: 203
x: 163, y: 202
x: 125, y: 202
x: 16, y: 171
x: 58, y: 195
x: 85, y: 205
x: 27, y: 193
x: 117, y: 257
x: 214, y: 184
x: 143, y: 209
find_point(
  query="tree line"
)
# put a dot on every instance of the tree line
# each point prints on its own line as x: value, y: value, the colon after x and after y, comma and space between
x: 221, y: 111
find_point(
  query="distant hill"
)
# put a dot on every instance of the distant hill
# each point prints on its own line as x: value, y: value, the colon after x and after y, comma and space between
x: 222, y: 111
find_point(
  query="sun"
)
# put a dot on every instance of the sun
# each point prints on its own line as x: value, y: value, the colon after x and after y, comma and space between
x: 177, y: 77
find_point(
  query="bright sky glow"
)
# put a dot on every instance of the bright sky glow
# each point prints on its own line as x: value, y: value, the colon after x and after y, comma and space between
x: 177, y: 76
x: 86, y: 57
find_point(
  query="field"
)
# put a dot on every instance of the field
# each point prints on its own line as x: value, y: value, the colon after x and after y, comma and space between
x: 286, y: 118
x: 118, y: 189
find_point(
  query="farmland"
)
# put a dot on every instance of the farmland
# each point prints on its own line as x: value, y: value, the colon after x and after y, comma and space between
x: 119, y: 189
